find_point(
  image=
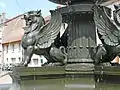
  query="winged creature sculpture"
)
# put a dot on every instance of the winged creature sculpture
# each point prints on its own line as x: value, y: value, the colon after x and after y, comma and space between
x: 39, y: 38
x: 108, y: 30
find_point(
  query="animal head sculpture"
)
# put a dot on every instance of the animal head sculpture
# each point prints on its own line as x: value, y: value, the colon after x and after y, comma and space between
x: 30, y: 17
x: 33, y: 19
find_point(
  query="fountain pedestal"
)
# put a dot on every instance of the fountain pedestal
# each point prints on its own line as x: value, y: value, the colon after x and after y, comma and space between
x: 51, y: 78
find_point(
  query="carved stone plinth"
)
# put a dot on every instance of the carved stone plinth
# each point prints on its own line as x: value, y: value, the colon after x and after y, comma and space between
x: 35, y: 73
x: 44, y: 78
x: 53, y: 78
x: 66, y: 78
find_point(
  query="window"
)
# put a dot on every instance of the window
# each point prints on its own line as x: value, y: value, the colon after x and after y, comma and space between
x: 13, y: 47
x: 7, y: 59
x: 19, y: 59
x: 41, y: 61
x: 3, y: 48
x: 13, y: 60
x: 35, y: 61
x: 19, y: 46
x: 7, y: 49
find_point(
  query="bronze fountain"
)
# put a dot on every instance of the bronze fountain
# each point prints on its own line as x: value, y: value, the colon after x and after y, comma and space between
x: 76, y: 57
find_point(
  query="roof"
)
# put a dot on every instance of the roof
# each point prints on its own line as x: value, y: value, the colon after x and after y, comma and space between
x: 13, y: 30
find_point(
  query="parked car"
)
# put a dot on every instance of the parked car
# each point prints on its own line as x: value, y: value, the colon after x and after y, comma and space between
x: 11, y: 66
x: 4, y: 67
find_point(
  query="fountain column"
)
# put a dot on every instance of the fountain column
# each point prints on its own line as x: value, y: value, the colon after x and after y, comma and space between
x: 81, y: 32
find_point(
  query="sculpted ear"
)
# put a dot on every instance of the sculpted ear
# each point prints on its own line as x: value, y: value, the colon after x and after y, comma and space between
x: 39, y: 12
x: 116, y: 6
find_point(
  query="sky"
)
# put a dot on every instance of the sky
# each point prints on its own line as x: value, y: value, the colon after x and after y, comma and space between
x: 13, y: 8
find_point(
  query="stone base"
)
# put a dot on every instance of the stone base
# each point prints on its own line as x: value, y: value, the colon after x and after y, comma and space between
x: 107, y: 74
x: 107, y: 77
x: 53, y: 78
x: 79, y: 76
x: 35, y: 73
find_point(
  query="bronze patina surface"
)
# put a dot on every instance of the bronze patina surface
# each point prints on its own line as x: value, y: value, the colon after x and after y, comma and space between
x: 40, y: 38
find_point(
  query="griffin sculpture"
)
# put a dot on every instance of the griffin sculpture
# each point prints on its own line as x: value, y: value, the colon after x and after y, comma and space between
x: 108, y: 29
x: 39, y: 38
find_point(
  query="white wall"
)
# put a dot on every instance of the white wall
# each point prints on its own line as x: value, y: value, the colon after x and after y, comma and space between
x: 37, y: 61
x: 12, y: 54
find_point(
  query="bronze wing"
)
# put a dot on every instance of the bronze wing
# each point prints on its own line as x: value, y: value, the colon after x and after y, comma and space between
x: 48, y: 33
x: 106, y: 27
